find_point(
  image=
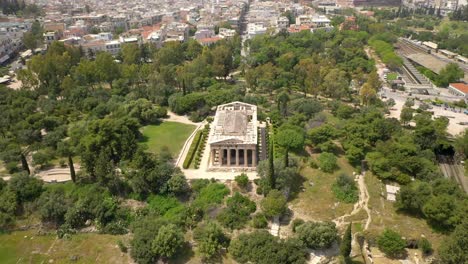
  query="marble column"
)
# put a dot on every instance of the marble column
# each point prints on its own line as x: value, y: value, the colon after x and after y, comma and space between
x: 229, y: 157
x: 213, y: 153
x: 254, y: 158
x: 221, y: 156
x: 246, y: 164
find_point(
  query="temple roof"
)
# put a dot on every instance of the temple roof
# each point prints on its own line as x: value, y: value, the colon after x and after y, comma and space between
x: 234, y: 121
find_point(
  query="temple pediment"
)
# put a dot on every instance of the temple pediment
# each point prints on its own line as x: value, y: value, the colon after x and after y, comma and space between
x: 227, y: 141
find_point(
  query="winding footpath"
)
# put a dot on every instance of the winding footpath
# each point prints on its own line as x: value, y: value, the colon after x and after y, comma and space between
x: 361, y: 204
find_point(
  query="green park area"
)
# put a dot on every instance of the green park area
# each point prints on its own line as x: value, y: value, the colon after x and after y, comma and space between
x: 392, y: 76
x: 29, y: 247
x: 317, y: 201
x: 167, y: 134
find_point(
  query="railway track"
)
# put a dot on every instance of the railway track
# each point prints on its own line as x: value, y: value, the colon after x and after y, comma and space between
x: 406, y: 48
x: 411, y: 48
x: 452, y: 171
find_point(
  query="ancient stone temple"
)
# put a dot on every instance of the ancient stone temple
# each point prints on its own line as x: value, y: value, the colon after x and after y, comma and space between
x: 233, y: 137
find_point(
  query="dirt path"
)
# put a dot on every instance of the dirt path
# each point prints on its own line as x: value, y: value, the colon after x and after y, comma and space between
x: 361, y: 204
x: 181, y: 119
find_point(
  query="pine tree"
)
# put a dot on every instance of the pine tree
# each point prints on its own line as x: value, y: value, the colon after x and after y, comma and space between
x: 345, y: 246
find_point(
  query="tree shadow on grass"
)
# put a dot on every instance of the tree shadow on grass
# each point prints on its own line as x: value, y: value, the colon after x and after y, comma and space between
x: 297, y: 182
x: 144, y: 139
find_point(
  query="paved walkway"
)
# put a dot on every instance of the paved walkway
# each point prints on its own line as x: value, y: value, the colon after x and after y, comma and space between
x: 187, y: 144
x: 218, y: 175
x: 172, y: 117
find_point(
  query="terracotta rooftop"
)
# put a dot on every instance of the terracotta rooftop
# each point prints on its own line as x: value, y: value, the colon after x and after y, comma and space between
x: 462, y: 87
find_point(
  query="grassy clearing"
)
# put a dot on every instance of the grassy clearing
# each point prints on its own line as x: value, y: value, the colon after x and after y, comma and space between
x: 317, y: 201
x: 27, y: 247
x: 167, y: 134
x: 392, y: 76
x: 385, y: 216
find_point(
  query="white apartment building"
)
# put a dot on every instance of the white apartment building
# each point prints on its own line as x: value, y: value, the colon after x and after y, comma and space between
x: 282, y: 22
x: 255, y: 29
x: 50, y: 37
x: 113, y: 47
x: 226, y: 33
x: 321, y: 21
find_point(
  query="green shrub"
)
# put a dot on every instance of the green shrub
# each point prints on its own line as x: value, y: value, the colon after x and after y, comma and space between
x: 317, y: 235
x: 242, y: 180
x: 295, y: 223
x: 259, y: 221
x: 213, y: 193
x: 327, y: 162
x: 192, y: 150
x: 115, y: 228
x: 345, y: 189
x: 42, y: 158
x: 425, y: 246
x: 391, y: 243
x: 122, y: 246
x: 313, y: 164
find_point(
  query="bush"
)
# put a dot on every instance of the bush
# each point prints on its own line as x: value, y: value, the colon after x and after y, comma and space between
x: 168, y: 241
x: 41, y: 158
x: 122, y: 246
x: 177, y: 184
x: 12, y: 167
x: 327, y: 162
x: 210, y: 239
x: 274, y: 204
x: 391, y: 243
x: 198, y: 184
x: 27, y: 188
x: 296, y: 223
x: 192, y: 149
x: 115, y: 228
x: 262, y: 247
x: 313, y: 164
x: 425, y: 246
x: 242, y: 180
x: 259, y: 221
x: 317, y: 235
x: 345, y: 189
x: 237, y: 212
x: 213, y: 193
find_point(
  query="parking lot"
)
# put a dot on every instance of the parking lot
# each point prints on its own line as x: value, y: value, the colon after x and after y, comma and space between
x: 456, y: 116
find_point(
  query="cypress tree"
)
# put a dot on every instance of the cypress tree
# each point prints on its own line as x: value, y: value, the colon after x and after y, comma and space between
x: 24, y: 164
x: 345, y: 246
x: 72, y: 168
x: 271, y: 167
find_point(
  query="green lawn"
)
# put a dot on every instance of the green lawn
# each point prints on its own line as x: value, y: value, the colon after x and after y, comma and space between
x: 28, y: 247
x: 392, y: 76
x: 317, y: 202
x: 167, y: 134
x: 384, y: 216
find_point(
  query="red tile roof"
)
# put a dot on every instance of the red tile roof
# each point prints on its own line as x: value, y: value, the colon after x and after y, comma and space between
x: 462, y: 87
